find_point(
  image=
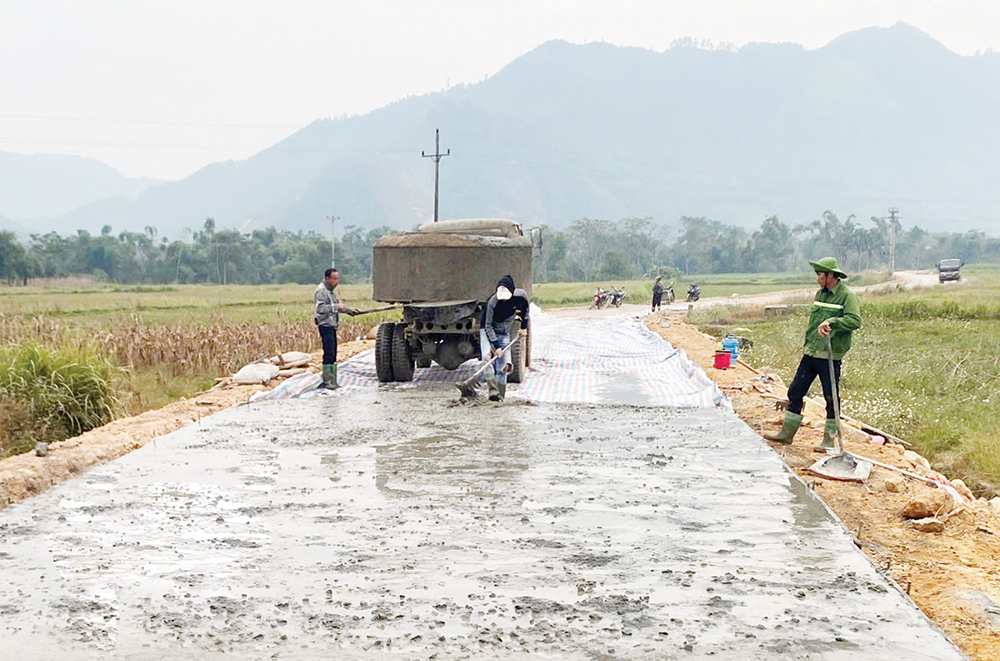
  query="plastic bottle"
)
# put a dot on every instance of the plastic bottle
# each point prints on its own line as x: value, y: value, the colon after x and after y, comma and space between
x: 732, y: 345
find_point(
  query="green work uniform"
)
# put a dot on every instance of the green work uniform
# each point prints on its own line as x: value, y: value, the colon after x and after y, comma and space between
x: 840, y: 307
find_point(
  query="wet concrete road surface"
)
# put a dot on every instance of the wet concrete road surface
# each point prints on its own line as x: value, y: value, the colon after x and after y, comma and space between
x: 404, y: 524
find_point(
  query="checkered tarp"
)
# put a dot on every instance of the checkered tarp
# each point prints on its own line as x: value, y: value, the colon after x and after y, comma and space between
x: 603, y: 361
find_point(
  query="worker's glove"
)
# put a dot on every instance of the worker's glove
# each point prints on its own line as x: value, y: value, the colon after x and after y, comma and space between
x: 350, y: 311
x: 522, y: 332
x: 497, y: 352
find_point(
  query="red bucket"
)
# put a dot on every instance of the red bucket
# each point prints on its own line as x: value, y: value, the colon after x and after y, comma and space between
x: 722, y: 360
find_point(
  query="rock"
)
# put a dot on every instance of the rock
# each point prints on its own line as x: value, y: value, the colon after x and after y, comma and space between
x: 929, y: 525
x: 995, y: 504
x: 932, y: 504
x: 963, y: 490
x: 916, y: 460
x: 895, y: 484
x: 372, y: 333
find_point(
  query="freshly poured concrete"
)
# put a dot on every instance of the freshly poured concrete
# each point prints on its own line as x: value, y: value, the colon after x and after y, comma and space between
x: 405, y: 524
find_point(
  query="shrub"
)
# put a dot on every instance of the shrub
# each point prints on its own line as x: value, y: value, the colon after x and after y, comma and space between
x: 59, y: 392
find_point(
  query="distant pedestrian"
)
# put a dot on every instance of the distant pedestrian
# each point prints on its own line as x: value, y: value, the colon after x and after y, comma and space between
x: 328, y: 309
x: 657, y: 294
x: 835, y: 313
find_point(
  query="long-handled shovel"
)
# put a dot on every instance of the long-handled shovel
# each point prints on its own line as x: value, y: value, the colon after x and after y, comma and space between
x: 468, y: 387
x: 841, y: 465
x: 357, y: 313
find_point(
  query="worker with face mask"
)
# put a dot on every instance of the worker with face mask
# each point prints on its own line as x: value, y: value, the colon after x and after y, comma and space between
x: 494, y: 332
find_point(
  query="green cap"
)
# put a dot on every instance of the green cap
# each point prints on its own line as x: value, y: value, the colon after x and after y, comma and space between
x: 828, y: 265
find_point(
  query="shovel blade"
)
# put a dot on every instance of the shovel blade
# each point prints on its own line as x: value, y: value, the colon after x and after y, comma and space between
x: 467, y: 387
x: 842, y: 467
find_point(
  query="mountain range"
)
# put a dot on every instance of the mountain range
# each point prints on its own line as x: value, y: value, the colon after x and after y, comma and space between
x: 50, y: 185
x: 877, y: 118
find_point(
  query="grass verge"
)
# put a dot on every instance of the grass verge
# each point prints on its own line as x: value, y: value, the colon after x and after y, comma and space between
x: 50, y: 394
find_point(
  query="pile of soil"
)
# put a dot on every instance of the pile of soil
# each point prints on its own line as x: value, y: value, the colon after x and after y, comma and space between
x: 952, y: 575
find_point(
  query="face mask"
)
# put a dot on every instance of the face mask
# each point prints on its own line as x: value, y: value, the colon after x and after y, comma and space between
x: 503, y: 293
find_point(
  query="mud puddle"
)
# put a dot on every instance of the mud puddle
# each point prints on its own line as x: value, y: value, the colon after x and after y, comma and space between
x: 396, y: 522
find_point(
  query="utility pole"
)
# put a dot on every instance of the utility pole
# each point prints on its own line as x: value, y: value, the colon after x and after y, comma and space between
x: 437, y: 156
x: 333, y: 241
x: 892, y: 239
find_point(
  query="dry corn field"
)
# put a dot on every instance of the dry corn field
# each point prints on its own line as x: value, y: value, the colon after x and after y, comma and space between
x: 218, y: 347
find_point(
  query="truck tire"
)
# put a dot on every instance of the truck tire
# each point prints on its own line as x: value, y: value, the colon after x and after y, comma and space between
x: 402, y: 361
x: 383, y: 352
x: 518, y: 354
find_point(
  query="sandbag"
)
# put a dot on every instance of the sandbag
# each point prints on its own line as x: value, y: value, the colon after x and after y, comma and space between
x: 255, y: 373
x: 291, y: 359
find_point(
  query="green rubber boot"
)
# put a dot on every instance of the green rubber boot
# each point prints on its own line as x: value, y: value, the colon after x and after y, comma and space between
x: 493, y: 389
x: 788, y: 428
x: 829, y: 433
x: 330, y: 377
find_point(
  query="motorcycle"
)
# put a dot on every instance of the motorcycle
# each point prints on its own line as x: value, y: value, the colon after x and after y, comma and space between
x: 601, y: 298
x: 669, y: 293
x: 694, y: 293
x: 618, y: 296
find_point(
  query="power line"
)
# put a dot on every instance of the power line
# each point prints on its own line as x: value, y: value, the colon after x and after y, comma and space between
x: 146, y: 122
x: 136, y: 145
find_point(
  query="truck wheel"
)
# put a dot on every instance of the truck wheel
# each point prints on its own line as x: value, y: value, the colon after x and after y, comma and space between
x: 518, y: 354
x: 402, y: 362
x: 383, y: 352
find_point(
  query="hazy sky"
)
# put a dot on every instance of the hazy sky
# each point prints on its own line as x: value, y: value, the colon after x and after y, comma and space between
x: 160, y: 89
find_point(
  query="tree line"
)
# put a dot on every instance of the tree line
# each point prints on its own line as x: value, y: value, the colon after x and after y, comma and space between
x: 634, y: 248
x: 588, y: 249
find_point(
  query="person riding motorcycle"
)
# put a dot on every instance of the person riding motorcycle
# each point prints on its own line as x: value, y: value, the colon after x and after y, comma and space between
x: 694, y: 292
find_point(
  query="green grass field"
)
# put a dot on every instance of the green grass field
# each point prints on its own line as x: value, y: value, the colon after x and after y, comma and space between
x: 97, y: 306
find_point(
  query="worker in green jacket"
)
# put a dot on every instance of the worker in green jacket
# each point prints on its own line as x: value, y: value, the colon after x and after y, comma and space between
x: 835, y: 313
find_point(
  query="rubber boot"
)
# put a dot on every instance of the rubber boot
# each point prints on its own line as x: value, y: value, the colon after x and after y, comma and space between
x: 829, y: 433
x: 502, y: 388
x: 788, y: 428
x: 494, y: 390
x: 330, y: 377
